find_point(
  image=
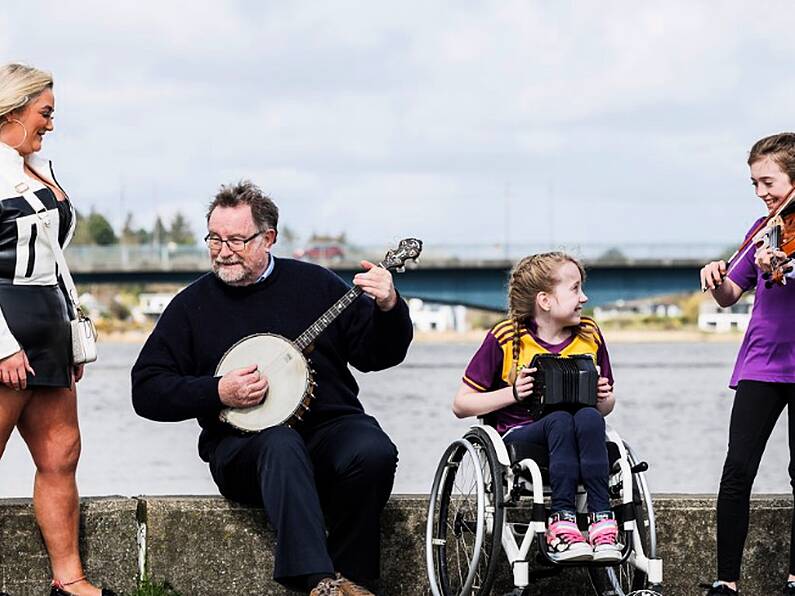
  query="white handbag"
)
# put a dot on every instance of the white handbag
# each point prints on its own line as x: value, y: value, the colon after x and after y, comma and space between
x: 84, y: 334
x: 84, y: 339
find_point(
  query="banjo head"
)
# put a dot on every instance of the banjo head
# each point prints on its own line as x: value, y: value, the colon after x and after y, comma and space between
x: 289, y: 378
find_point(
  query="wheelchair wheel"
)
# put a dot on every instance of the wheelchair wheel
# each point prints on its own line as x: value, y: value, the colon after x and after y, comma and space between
x: 465, y: 517
x: 624, y: 579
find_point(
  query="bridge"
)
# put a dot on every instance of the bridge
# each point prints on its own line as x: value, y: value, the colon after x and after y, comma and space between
x: 473, y: 275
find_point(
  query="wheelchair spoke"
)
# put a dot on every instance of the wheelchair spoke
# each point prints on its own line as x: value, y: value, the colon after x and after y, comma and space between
x: 462, y: 542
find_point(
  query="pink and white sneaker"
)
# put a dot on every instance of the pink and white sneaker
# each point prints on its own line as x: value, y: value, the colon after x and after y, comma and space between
x: 603, y: 536
x: 565, y: 542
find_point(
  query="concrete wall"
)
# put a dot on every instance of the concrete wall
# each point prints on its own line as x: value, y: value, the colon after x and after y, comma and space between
x: 108, y: 528
x: 210, y: 547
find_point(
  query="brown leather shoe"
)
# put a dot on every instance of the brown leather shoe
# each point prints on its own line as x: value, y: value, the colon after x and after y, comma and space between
x: 326, y: 587
x: 348, y: 588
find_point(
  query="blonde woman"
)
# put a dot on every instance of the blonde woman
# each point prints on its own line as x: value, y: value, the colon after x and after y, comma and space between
x: 37, y: 377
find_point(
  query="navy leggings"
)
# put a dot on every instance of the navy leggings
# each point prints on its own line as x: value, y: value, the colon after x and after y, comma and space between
x: 757, y: 406
x: 336, y: 479
x: 577, y: 452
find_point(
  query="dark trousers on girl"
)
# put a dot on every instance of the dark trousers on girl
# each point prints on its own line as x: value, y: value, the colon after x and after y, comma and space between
x: 577, y: 452
x: 757, y: 406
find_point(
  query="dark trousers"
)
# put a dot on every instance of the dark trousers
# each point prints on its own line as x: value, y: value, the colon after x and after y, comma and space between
x: 336, y: 479
x: 577, y: 452
x: 757, y: 406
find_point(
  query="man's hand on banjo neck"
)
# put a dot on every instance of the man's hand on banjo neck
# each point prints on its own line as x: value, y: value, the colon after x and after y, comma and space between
x: 242, y: 387
x: 377, y: 283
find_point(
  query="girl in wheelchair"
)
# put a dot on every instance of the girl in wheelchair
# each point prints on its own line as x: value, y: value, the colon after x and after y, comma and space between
x: 545, y: 300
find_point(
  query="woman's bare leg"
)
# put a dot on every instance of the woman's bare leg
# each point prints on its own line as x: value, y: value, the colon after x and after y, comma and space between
x: 12, y: 403
x: 49, y: 426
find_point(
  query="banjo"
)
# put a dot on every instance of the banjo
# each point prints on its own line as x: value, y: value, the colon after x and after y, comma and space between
x: 290, y: 378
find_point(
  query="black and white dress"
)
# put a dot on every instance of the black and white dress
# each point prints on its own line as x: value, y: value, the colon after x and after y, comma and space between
x: 35, y: 311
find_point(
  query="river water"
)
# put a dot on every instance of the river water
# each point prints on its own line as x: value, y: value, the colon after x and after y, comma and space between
x: 673, y: 407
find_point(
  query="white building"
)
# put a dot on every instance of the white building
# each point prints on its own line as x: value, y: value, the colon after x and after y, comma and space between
x: 713, y: 318
x: 153, y: 304
x: 429, y: 316
x: 630, y: 309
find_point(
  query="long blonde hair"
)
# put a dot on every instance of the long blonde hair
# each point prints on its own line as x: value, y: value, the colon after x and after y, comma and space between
x: 19, y: 84
x: 529, y: 277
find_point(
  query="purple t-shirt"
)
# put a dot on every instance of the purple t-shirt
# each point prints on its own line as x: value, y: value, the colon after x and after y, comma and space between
x: 768, y: 349
x: 485, y: 371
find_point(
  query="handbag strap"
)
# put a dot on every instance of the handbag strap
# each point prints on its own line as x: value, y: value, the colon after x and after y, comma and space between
x: 44, y: 217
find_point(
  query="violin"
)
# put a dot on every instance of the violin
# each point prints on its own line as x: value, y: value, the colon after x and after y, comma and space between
x: 776, y: 231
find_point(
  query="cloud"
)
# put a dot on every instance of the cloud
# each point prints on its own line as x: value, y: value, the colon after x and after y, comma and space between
x: 372, y: 118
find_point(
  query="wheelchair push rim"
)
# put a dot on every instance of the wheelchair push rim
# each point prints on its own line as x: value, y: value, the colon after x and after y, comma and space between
x: 462, y: 534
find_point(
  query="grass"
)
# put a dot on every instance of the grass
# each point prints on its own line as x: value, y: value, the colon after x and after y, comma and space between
x: 149, y: 588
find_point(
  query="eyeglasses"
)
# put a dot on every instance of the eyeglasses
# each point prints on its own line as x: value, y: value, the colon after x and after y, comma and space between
x: 234, y: 244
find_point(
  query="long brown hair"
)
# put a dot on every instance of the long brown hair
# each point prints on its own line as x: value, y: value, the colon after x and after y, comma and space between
x: 780, y: 148
x: 529, y: 277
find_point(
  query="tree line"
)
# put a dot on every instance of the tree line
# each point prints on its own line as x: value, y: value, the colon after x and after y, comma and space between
x: 94, y: 228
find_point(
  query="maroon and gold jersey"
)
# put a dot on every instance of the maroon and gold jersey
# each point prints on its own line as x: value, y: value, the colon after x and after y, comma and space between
x: 490, y: 366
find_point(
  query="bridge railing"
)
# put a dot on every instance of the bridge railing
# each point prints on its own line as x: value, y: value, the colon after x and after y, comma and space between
x: 194, y: 258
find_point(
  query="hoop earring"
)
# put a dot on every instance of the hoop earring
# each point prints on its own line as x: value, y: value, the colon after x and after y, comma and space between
x: 25, y: 130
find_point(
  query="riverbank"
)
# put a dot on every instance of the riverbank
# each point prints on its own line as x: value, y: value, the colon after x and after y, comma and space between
x: 639, y: 335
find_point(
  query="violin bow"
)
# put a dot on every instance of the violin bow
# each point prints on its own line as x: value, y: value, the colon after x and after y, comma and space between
x: 731, y: 263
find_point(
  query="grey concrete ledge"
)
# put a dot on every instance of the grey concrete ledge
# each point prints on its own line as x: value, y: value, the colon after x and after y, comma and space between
x: 208, y: 546
x: 108, y: 531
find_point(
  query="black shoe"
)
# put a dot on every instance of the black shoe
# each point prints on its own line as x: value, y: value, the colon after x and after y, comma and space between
x: 719, y: 589
x: 59, y: 592
x: 789, y: 588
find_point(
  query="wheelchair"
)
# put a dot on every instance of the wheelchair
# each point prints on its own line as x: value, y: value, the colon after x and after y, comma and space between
x: 486, y: 497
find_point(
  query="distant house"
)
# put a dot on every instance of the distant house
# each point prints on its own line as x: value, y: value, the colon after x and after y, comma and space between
x: 663, y: 307
x: 152, y: 305
x: 428, y: 316
x: 713, y: 318
x: 322, y: 248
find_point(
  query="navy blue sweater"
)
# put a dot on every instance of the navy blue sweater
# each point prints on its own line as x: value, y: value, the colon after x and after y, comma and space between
x: 173, y: 378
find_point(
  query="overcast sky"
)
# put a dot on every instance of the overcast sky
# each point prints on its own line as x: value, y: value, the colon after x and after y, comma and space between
x: 457, y: 122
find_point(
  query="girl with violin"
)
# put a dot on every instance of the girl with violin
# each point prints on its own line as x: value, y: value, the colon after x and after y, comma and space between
x: 764, y: 374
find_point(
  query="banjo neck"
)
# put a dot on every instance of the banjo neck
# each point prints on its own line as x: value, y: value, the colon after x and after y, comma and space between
x: 409, y: 248
x: 327, y: 318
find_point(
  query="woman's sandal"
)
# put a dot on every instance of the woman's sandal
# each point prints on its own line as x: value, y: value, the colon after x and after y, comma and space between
x: 58, y: 588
